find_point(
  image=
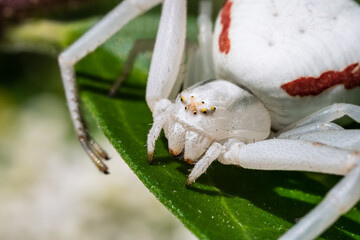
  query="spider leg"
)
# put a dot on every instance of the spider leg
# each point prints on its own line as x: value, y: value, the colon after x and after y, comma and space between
x: 281, y: 154
x: 314, y: 127
x: 147, y: 45
x: 329, y: 114
x: 168, y: 52
x: 166, y: 61
x: 110, y: 24
x: 184, y: 74
x: 338, y: 201
x: 205, y: 39
x: 140, y: 46
x: 200, y: 167
x: 200, y: 64
x: 288, y: 154
x: 160, y: 115
x: 165, y: 66
x: 346, y: 139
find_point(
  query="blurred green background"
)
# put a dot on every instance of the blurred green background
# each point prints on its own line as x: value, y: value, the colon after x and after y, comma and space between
x: 48, y: 187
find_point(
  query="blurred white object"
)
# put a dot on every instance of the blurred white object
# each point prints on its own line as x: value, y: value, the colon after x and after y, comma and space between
x: 43, y: 196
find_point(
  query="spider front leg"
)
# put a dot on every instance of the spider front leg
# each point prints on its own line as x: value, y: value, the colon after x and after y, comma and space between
x: 200, y: 167
x: 110, y: 24
x: 288, y: 154
x: 168, y: 52
x: 281, y: 154
x: 165, y: 66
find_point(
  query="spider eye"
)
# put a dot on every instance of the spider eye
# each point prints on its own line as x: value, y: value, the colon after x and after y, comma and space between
x: 213, y: 108
x: 182, y: 99
x: 185, y: 108
x: 194, y: 113
x: 204, y: 111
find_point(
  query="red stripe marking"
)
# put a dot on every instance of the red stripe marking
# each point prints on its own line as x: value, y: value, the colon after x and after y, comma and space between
x: 311, y: 86
x: 224, y: 40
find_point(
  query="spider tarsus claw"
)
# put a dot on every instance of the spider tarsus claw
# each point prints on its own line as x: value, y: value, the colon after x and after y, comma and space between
x: 111, y: 93
x: 99, y: 151
x: 150, y: 157
x: 102, y: 167
x: 95, y: 152
x: 188, y: 183
x: 104, y: 156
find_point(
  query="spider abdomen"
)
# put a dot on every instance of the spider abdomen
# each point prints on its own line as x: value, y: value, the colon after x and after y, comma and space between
x: 295, y: 56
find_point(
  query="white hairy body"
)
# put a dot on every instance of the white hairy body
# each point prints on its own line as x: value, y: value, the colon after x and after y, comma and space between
x: 272, y: 43
x: 275, y: 42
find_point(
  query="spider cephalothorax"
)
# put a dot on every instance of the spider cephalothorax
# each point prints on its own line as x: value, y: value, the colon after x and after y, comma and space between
x: 194, y: 122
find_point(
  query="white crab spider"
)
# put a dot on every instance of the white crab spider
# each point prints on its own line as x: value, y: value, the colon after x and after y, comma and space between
x: 297, y: 57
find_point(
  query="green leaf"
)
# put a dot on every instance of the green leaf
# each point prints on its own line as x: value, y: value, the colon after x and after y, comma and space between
x: 227, y: 202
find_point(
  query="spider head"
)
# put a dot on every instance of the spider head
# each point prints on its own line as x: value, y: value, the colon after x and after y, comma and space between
x: 213, y: 111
